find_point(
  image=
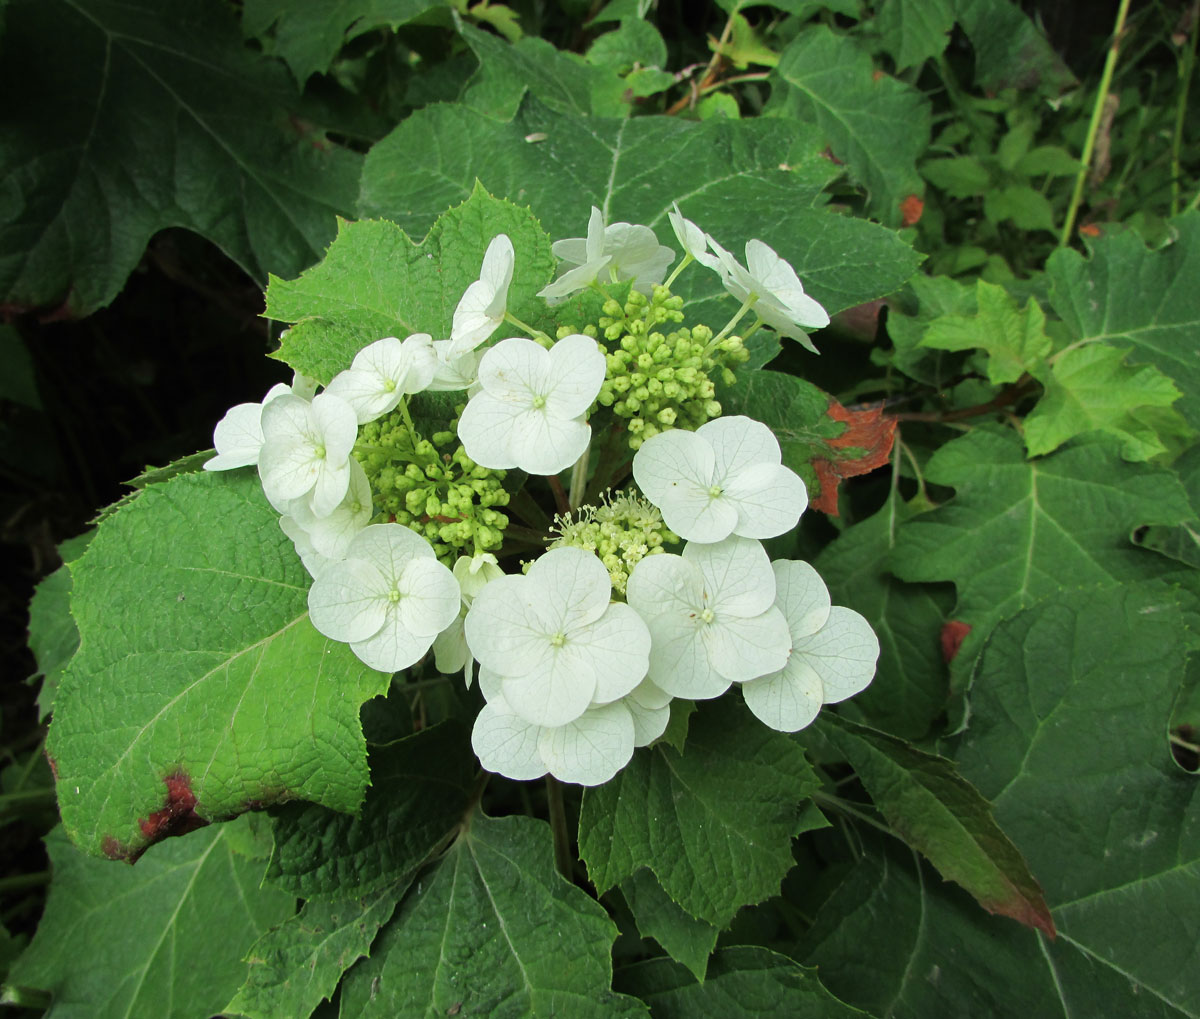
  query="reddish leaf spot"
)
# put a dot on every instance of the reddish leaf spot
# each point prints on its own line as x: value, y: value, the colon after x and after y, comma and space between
x: 113, y: 849
x: 828, y: 154
x: 1090, y: 230
x: 911, y: 209
x: 953, y: 634
x: 1035, y: 914
x: 866, y: 444
x: 178, y: 815
x: 53, y: 766
x: 876, y: 74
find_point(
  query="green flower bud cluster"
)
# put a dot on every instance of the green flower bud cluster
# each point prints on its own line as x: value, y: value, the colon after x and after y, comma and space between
x: 432, y: 487
x: 658, y: 380
x: 621, y: 531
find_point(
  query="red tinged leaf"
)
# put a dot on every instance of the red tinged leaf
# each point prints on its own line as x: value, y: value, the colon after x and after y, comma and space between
x: 864, y: 445
x: 911, y: 209
x: 1090, y: 230
x: 861, y: 321
x: 954, y: 632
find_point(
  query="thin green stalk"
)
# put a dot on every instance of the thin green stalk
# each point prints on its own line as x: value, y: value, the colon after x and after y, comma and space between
x: 537, y: 334
x: 1185, y: 73
x: 19, y: 882
x: 579, y: 480
x: 558, y: 826
x: 687, y: 260
x: 1089, y: 143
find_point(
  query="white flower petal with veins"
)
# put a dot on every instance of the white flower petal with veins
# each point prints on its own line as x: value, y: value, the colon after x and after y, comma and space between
x: 383, y: 372
x: 481, y: 309
x: 618, y: 252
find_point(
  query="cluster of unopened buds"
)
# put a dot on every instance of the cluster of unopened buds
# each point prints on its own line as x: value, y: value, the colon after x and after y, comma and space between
x: 581, y: 651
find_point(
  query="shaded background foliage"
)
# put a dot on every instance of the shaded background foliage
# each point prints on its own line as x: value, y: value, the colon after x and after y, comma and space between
x: 132, y: 365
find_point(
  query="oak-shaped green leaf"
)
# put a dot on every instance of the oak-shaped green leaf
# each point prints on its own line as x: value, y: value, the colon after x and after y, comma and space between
x: 910, y: 687
x: 297, y: 964
x: 686, y: 939
x: 164, y: 938
x: 940, y: 814
x: 200, y: 689
x: 1092, y: 388
x: 896, y: 940
x: 420, y: 788
x: 564, y: 81
x: 375, y: 281
x: 1070, y: 706
x: 1018, y: 531
x: 126, y: 118
x: 915, y: 30
x: 924, y: 300
x: 1014, y: 339
x: 714, y: 824
x: 876, y: 125
x: 737, y: 180
x: 1010, y: 51
x: 53, y: 636
x: 745, y: 982
x: 1132, y: 296
x: 309, y: 35
x: 492, y: 930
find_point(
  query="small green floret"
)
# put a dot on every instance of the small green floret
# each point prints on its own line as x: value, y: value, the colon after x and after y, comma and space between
x: 621, y: 531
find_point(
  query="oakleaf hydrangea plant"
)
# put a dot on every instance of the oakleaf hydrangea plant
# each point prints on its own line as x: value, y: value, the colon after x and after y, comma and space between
x: 650, y: 586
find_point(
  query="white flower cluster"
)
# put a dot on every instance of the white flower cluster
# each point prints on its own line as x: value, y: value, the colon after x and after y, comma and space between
x: 574, y: 680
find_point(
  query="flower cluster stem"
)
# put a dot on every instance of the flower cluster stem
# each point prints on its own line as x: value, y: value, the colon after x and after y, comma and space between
x: 579, y: 475
x: 563, y: 859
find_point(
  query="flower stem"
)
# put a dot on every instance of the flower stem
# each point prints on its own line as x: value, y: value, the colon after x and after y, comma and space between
x: 1089, y: 143
x: 560, y: 495
x: 747, y: 304
x: 408, y: 422
x: 558, y: 825
x: 579, y: 479
x: 537, y: 334
x: 687, y: 260
x: 1185, y: 73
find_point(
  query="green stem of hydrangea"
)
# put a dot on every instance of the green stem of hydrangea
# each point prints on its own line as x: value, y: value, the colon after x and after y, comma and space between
x: 1089, y: 144
x: 537, y: 334
x: 579, y: 479
x: 747, y: 304
x: 1188, y: 64
x: 687, y: 260
x: 558, y: 825
x: 414, y: 438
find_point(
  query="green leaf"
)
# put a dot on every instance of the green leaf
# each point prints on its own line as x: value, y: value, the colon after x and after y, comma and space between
x: 893, y: 939
x: 164, y: 938
x: 632, y: 170
x: 1048, y: 160
x: 133, y: 117
x: 1026, y: 208
x: 420, y: 789
x: 1010, y: 52
x: 53, y: 635
x: 1137, y: 297
x: 633, y: 43
x: 1019, y: 531
x: 934, y: 296
x: 492, y: 930
x: 1015, y: 340
x: 374, y: 281
x: 958, y: 176
x: 913, y: 31
x: 297, y: 964
x: 200, y: 689
x: 742, y: 983
x: 937, y: 812
x: 910, y: 687
x: 565, y: 82
x: 876, y: 125
x: 744, y: 46
x: 685, y: 938
x: 714, y: 824
x: 309, y: 35
x: 1069, y: 712
x: 1092, y: 387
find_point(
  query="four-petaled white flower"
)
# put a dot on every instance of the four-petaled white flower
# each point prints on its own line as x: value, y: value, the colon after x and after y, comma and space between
x: 620, y: 251
x: 555, y: 640
x: 481, y: 309
x: 306, y: 450
x: 692, y: 239
x: 454, y: 371
x: 711, y: 616
x: 724, y: 478
x: 388, y: 599
x: 450, y: 650
x: 383, y: 372
x: 588, y: 750
x: 778, y: 296
x: 331, y: 535
x: 833, y: 653
x: 530, y: 410
x: 238, y: 436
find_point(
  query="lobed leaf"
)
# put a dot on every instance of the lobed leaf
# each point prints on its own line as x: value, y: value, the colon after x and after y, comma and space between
x: 686, y: 939
x: 200, y: 688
